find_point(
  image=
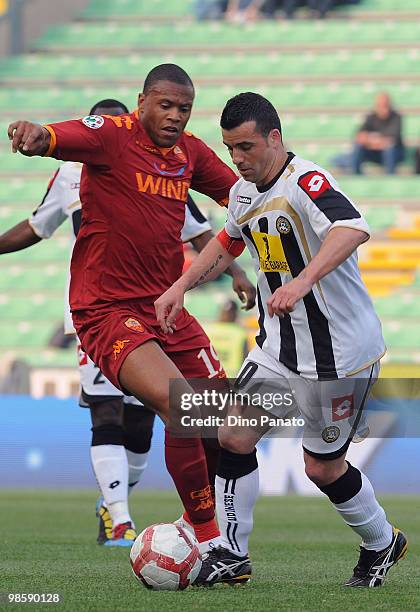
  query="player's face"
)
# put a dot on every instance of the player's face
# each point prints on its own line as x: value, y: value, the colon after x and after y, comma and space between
x: 253, y: 154
x: 165, y: 111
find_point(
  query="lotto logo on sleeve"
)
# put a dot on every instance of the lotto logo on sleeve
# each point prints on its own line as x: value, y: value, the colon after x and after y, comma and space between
x: 94, y: 122
x: 314, y: 184
x: 342, y: 407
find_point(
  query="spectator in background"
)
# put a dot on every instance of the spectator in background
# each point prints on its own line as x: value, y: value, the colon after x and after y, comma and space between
x: 210, y: 9
x: 240, y: 11
x: 379, y: 138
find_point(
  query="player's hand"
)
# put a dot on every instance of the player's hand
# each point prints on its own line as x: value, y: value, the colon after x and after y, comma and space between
x: 245, y: 290
x: 28, y: 138
x: 284, y: 299
x: 168, y: 307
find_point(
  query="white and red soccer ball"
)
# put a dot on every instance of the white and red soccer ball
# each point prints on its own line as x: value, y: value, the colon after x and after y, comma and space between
x: 165, y: 557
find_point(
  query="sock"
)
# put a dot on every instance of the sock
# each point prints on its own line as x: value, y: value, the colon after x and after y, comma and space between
x: 109, y: 463
x: 212, y: 451
x: 186, y: 463
x: 137, y: 463
x: 354, y: 499
x: 237, y: 487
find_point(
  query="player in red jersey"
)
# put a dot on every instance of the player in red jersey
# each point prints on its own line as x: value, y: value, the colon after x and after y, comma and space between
x: 138, y: 169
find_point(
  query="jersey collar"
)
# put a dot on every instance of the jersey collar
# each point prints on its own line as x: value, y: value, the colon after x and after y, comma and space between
x: 264, y: 188
x: 147, y: 142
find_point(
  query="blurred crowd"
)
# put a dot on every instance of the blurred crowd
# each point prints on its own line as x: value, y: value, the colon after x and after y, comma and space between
x: 240, y: 11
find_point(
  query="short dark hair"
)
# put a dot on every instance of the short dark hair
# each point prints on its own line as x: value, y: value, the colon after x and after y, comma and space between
x: 109, y: 103
x: 167, y: 72
x: 250, y: 106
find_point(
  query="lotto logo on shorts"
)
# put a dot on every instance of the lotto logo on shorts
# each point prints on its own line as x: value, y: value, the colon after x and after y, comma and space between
x: 342, y: 407
x: 118, y: 346
x: 134, y: 325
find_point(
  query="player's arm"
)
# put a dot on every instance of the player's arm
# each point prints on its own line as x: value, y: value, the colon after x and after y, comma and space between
x: 47, y: 217
x: 216, y: 256
x: 336, y: 248
x: 19, y: 237
x: 95, y: 141
x: 29, y: 138
x: 337, y: 223
x: 198, y: 231
x: 241, y: 284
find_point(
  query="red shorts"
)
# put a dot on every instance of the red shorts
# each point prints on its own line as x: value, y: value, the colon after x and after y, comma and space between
x: 110, y: 333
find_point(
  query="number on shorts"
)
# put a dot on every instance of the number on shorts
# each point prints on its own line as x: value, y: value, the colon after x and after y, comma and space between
x: 99, y: 378
x: 246, y: 374
x: 207, y: 361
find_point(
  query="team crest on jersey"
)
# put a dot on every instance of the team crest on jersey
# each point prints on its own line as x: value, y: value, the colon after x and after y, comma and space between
x: 243, y: 199
x: 283, y: 225
x: 94, y: 122
x: 330, y: 434
x: 134, y: 325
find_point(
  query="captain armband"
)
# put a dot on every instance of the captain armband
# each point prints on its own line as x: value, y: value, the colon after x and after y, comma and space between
x: 234, y: 246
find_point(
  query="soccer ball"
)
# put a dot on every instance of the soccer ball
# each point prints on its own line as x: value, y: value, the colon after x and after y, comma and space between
x: 164, y: 557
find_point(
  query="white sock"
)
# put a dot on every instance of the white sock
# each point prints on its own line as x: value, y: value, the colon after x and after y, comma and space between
x: 110, y: 465
x: 366, y: 517
x: 235, y: 501
x: 205, y: 546
x: 137, y: 463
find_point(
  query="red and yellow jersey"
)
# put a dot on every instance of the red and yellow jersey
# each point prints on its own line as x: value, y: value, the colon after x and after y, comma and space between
x: 133, y: 194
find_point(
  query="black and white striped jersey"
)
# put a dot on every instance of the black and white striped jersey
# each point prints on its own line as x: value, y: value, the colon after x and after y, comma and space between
x: 334, y: 330
x: 61, y: 201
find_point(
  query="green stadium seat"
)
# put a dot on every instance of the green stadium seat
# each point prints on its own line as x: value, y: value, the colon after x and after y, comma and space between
x: 398, y: 307
x: 24, y: 333
x: 64, y: 67
x: 18, y: 277
x: 103, y: 8
x: 270, y: 34
x: 402, y: 335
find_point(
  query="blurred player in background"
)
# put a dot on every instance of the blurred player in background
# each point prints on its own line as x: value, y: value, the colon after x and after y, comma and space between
x: 134, y: 188
x: 320, y: 339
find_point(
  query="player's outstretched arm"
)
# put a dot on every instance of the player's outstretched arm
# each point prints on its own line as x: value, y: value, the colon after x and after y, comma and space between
x: 18, y: 237
x: 241, y: 284
x: 28, y: 138
x: 336, y: 248
x: 208, y: 265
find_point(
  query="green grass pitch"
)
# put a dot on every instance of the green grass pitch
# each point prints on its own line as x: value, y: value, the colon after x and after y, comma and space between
x: 300, y: 550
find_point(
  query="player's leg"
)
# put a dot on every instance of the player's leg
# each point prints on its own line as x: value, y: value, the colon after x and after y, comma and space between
x: 138, y: 431
x: 349, y: 490
x: 108, y: 455
x: 109, y: 461
x: 146, y: 373
x: 127, y: 352
x: 237, y: 481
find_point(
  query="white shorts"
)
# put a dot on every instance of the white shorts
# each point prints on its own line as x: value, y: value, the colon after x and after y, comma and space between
x: 332, y: 410
x: 94, y: 386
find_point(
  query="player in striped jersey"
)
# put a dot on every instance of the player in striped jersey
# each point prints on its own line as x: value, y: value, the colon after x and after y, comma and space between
x: 121, y: 424
x: 319, y: 336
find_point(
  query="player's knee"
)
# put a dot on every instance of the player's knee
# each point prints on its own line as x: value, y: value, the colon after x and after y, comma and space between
x: 107, y: 412
x: 138, y: 428
x: 107, y: 434
x: 320, y: 471
x: 234, y: 441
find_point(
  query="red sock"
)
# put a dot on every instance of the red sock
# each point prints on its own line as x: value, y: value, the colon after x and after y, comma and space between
x: 186, y: 463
